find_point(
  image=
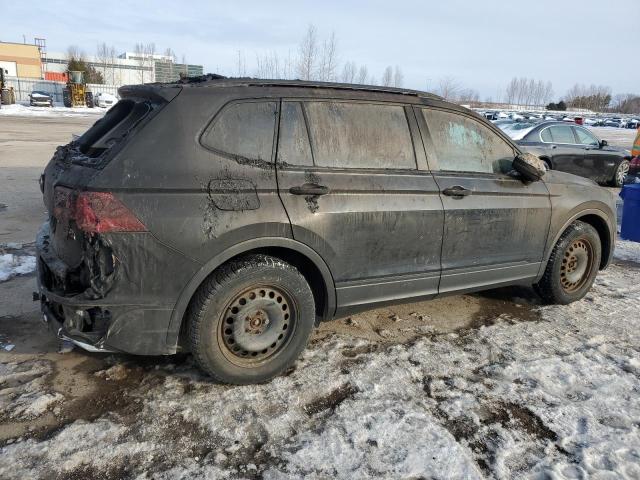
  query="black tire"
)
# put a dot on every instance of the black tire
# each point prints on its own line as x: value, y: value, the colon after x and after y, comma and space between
x: 250, y: 320
x: 88, y: 99
x: 622, y: 170
x: 573, y: 265
x: 547, y: 164
x: 66, y: 98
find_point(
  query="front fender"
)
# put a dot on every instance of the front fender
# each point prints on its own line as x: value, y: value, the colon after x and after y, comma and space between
x: 558, y: 226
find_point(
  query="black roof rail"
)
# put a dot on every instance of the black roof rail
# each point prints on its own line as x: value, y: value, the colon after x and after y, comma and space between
x: 213, y: 79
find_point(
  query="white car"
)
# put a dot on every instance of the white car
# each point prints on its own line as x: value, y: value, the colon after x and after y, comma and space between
x: 104, y: 100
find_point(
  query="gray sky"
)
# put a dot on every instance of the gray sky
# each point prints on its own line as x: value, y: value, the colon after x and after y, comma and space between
x: 481, y: 43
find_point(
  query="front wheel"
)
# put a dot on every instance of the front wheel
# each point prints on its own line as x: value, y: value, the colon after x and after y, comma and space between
x: 250, y: 320
x: 573, y: 265
x: 621, y: 173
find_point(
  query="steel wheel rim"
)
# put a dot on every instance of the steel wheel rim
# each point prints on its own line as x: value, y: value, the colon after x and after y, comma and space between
x: 623, y: 170
x: 577, y: 264
x: 257, y: 325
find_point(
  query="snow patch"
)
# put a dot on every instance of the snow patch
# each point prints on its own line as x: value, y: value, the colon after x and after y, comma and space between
x: 627, y: 250
x: 12, y: 265
x: 28, y: 111
x: 23, y: 390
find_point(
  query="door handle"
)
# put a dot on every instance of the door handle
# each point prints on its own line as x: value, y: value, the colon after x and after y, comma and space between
x: 456, y: 191
x: 309, y: 189
x: 554, y: 146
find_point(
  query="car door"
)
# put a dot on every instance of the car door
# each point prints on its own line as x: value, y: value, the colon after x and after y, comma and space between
x: 495, y: 225
x: 348, y: 178
x: 601, y: 161
x: 567, y: 155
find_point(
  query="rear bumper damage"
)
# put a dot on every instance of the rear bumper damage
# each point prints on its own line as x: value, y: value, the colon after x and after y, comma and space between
x: 118, y: 298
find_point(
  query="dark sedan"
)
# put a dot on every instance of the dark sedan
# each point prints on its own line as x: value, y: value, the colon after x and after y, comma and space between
x: 38, y: 98
x: 573, y: 149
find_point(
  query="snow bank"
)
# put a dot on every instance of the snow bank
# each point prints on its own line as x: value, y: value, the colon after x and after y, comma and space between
x: 627, y: 250
x: 28, y: 111
x: 12, y: 265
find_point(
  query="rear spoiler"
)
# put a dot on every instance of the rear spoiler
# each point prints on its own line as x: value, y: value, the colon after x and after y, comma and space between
x: 158, y: 92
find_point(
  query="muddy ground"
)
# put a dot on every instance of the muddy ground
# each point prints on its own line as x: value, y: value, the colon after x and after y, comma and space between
x: 475, y: 386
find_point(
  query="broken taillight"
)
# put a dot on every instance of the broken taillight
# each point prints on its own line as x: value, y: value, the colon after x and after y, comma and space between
x: 95, y: 212
x: 99, y: 212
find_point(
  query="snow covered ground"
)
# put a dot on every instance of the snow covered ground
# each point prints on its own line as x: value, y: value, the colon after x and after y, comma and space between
x: 24, y: 110
x: 527, y: 392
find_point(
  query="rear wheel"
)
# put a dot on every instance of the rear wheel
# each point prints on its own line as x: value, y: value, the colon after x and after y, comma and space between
x: 621, y: 172
x: 250, y: 320
x: 573, y: 265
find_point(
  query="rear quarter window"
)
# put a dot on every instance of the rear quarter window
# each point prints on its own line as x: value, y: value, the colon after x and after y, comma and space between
x: 360, y: 135
x: 243, y: 130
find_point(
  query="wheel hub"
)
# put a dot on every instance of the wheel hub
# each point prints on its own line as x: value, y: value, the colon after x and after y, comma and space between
x: 576, y: 265
x: 257, y: 323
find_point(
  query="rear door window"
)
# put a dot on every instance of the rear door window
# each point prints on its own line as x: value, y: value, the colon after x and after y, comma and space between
x: 463, y: 144
x: 360, y: 135
x: 243, y: 130
x: 562, y: 134
x: 293, y: 145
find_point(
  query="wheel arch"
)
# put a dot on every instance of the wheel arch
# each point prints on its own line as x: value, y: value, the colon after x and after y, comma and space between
x: 598, y: 220
x: 307, y: 260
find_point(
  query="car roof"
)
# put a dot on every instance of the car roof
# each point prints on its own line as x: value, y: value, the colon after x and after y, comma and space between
x: 214, y: 80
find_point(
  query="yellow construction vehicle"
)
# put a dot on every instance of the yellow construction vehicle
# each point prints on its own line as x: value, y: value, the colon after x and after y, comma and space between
x: 76, y: 93
x: 7, y: 94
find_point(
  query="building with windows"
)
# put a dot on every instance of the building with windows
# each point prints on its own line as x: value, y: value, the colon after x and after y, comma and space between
x: 170, y: 71
x: 129, y: 68
x: 20, y: 60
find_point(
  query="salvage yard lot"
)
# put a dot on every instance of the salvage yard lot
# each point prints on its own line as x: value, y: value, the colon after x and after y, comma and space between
x: 474, y: 386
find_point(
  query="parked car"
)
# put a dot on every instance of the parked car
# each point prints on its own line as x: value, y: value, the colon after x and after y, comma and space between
x: 104, y: 100
x: 633, y: 123
x: 39, y: 98
x: 615, y: 122
x: 575, y: 149
x: 168, y: 230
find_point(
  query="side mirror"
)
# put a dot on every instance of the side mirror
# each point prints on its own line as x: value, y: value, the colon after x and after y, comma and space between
x: 603, y: 143
x: 530, y: 167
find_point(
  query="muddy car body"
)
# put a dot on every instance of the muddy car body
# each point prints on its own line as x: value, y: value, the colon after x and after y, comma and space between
x: 274, y: 205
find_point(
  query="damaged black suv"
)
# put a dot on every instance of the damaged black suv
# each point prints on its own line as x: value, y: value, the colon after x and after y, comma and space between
x: 226, y: 217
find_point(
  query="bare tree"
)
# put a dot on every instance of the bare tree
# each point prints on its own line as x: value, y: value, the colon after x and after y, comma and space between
x: 387, y: 77
x: 242, y: 65
x: 102, y: 55
x: 307, y: 54
x: 149, y: 53
x: 138, y: 51
x: 328, y: 59
x: 448, y: 88
x: 75, y: 52
x: 185, y: 68
x: 268, y: 66
x: 528, y: 91
x: 363, y: 75
x: 348, y: 72
x: 398, y: 77
x: 468, y: 95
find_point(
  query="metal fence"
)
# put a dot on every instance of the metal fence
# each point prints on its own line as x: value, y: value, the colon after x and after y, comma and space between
x: 24, y: 86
